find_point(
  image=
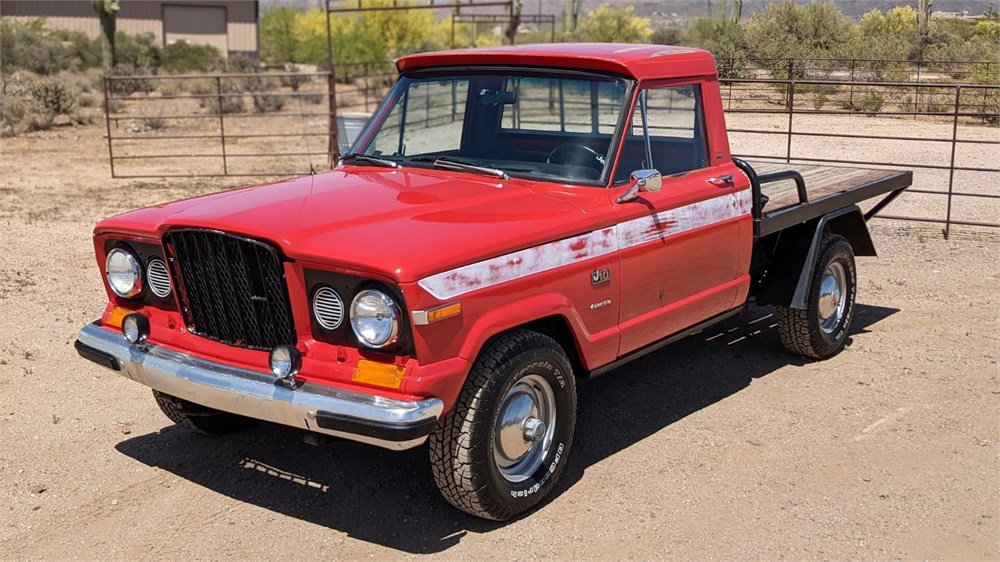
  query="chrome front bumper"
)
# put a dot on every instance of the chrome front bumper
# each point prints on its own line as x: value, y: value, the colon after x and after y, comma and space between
x: 393, y: 424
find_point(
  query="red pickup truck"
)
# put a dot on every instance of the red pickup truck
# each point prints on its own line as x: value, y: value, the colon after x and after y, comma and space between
x: 511, y: 221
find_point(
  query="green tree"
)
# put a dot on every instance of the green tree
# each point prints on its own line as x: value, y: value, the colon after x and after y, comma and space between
x: 607, y: 24
x: 725, y: 39
x: 798, y: 31
x: 278, y: 41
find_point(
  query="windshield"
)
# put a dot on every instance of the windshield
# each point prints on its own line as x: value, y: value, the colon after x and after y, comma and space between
x: 548, y: 126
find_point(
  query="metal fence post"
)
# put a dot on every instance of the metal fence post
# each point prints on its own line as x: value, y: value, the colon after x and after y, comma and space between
x: 222, y: 123
x: 791, y: 112
x: 334, y: 142
x: 951, y: 168
x: 107, y: 123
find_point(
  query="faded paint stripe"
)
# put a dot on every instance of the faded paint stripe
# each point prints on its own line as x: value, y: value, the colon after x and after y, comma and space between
x: 537, y: 259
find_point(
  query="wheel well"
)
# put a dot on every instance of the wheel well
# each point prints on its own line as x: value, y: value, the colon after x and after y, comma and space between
x: 558, y: 328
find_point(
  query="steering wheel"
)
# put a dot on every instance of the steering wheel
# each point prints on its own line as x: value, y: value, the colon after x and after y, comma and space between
x: 576, y: 155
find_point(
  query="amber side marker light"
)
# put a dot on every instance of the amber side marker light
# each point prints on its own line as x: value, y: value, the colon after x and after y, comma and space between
x: 438, y: 313
x: 117, y: 315
x: 379, y: 374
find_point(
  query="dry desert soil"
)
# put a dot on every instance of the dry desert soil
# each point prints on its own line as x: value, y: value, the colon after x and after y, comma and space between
x: 719, y: 447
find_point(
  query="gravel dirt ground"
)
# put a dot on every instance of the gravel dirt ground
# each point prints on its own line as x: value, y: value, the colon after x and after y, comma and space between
x: 719, y: 447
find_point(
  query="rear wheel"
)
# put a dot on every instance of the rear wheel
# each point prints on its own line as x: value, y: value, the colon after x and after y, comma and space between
x: 820, y: 331
x: 200, y: 419
x: 502, y: 447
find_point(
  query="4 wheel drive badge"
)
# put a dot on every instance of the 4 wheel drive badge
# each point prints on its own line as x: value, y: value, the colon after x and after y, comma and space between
x: 600, y: 276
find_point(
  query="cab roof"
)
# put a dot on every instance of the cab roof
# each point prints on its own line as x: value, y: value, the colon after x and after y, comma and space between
x: 643, y: 62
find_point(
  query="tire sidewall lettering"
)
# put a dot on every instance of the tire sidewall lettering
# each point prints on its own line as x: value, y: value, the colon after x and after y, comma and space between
x: 543, y: 478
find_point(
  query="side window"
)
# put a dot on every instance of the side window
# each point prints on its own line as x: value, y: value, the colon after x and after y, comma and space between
x: 430, y: 118
x: 672, y: 118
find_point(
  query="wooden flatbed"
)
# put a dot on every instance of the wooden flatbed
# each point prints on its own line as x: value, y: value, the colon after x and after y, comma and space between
x: 823, y: 189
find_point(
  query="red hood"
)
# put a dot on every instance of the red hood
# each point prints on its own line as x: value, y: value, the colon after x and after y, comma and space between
x: 406, y: 224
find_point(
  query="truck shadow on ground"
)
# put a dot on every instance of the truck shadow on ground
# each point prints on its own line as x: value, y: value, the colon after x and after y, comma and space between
x: 389, y: 498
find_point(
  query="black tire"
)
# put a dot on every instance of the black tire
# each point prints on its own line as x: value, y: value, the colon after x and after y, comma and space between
x: 806, y: 332
x: 463, y: 448
x: 200, y: 419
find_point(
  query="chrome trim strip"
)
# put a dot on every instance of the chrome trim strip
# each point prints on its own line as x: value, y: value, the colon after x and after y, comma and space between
x: 255, y: 394
x: 537, y: 259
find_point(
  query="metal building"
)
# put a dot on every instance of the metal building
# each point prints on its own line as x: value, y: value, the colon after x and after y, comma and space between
x: 228, y: 25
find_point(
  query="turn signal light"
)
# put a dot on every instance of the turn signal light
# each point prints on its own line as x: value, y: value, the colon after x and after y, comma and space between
x: 117, y: 315
x: 379, y: 374
x: 424, y: 317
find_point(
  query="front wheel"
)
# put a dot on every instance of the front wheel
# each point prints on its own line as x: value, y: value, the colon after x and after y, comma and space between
x: 198, y: 418
x: 502, y: 447
x: 820, y: 331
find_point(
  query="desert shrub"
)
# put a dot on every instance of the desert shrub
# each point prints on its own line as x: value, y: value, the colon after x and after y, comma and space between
x: 314, y: 99
x: 129, y: 80
x: 88, y: 99
x: 115, y: 105
x: 182, y: 56
x: 138, y: 51
x: 240, y: 63
x: 727, y: 42
x: 153, y: 123
x: 20, y: 112
x: 170, y: 87
x: 201, y: 86
x: 819, y: 100
x: 294, y: 81
x: 28, y: 46
x: 788, y: 30
x: 871, y: 103
x: 230, y: 102
x: 609, y: 24
x: 54, y: 95
x: 264, y: 103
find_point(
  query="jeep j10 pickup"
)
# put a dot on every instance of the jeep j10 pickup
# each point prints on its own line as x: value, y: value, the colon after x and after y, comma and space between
x: 510, y: 222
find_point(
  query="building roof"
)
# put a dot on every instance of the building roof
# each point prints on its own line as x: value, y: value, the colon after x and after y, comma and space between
x: 636, y: 61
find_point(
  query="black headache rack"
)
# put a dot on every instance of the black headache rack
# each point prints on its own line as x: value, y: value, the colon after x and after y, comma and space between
x: 890, y: 183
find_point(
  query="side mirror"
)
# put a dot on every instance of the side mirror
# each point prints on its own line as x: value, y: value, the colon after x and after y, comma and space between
x: 642, y: 180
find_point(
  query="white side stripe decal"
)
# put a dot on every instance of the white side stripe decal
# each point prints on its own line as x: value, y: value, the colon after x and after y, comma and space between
x: 522, y: 263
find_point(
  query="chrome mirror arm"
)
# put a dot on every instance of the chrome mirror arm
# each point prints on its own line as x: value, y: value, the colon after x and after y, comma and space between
x: 643, y: 180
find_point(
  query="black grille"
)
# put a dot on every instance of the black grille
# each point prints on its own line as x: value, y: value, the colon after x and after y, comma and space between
x: 232, y: 289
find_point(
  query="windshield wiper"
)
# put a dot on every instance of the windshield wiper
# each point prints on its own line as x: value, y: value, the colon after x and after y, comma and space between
x: 448, y: 164
x: 357, y: 157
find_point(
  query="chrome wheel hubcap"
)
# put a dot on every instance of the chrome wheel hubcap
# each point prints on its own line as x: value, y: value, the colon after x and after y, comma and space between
x: 832, y: 291
x: 525, y: 427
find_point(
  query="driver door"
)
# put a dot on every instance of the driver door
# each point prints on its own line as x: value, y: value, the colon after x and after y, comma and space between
x: 679, y: 247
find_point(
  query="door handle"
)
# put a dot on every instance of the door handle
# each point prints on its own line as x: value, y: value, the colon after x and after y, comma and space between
x: 721, y: 181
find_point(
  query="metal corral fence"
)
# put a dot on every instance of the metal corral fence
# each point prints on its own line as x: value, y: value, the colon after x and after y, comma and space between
x: 279, y: 124
x: 861, y: 70
x: 240, y: 125
x: 954, y: 144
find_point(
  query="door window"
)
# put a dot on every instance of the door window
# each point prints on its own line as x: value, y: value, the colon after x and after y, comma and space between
x: 667, y: 132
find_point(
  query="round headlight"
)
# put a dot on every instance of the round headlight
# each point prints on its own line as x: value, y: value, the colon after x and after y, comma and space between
x: 375, y: 318
x: 124, y: 273
x: 285, y: 362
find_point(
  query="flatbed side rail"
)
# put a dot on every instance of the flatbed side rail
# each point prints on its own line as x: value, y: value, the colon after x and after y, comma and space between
x: 757, y: 202
x: 806, y: 209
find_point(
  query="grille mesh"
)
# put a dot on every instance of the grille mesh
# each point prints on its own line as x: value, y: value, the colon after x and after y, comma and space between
x: 232, y: 289
x: 159, y: 279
